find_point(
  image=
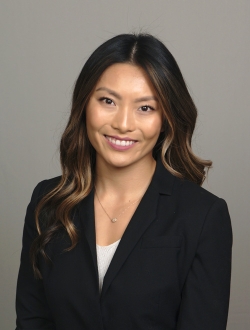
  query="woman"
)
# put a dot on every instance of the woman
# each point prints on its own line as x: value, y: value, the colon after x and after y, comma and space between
x: 128, y: 206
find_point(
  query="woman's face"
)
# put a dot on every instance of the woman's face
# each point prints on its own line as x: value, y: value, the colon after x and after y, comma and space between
x: 123, y: 117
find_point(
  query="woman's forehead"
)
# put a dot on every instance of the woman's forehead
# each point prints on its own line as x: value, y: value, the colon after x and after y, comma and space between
x: 125, y: 78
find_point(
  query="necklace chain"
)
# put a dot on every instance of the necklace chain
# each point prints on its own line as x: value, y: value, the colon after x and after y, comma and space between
x: 113, y: 220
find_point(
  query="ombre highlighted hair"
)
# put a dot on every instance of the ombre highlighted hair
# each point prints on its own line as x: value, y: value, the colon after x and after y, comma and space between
x: 77, y: 155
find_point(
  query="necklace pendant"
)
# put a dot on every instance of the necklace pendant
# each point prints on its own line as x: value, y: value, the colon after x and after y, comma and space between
x: 114, y: 220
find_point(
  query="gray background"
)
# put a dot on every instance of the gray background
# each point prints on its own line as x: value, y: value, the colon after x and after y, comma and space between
x: 43, y: 47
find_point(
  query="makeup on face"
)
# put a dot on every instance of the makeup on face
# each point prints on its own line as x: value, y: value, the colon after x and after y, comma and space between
x: 123, y: 117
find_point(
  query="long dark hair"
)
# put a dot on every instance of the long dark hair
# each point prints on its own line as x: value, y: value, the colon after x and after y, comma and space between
x: 78, y: 156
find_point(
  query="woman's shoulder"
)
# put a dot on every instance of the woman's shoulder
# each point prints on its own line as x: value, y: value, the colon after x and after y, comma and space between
x: 187, y: 194
x: 43, y: 187
x: 49, y: 184
x: 191, y: 188
x: 197, y: 198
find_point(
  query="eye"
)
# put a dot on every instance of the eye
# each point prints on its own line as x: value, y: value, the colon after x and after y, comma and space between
x: 146, y: 108
x: 106, y: 100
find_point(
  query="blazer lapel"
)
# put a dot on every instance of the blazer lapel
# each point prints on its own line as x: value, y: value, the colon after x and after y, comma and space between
x: 137, y: 225
x: 143, y: 216
x: 87, y: 219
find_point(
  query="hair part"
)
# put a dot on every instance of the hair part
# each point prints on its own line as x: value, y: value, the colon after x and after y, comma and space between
x: 77, y: 156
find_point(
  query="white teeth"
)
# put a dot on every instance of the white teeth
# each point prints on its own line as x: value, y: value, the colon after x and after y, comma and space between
x: 120, y: 142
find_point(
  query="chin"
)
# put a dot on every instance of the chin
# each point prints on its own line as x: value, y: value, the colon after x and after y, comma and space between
x: 120, y: 164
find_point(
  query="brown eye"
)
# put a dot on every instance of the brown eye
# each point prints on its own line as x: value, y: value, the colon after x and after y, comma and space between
x: 146, y: 108
x: 106, y: 100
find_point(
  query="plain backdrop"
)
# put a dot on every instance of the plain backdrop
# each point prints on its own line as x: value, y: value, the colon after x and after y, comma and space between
x: 44, y: 45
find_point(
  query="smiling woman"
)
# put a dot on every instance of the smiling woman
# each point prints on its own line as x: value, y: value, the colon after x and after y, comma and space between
x: 126, y: 238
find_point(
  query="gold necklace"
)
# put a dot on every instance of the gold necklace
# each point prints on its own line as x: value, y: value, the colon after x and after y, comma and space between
x: 113, y: 220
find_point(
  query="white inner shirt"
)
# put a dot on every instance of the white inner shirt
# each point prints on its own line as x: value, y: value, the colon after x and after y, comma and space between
x: 104, y: 257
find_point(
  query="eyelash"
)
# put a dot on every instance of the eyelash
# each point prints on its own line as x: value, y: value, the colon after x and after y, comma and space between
x: 147, y: 106
x: 108, y: 99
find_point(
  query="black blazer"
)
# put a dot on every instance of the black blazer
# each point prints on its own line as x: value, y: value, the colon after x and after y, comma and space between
x: 171, y: 269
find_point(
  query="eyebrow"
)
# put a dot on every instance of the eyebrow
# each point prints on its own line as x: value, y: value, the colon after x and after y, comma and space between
x: 141, y: 99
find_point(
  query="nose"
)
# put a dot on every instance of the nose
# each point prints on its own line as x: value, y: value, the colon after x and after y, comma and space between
x: 124, y: 120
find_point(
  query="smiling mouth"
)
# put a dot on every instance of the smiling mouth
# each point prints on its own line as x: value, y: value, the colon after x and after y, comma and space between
x: 118, y: 142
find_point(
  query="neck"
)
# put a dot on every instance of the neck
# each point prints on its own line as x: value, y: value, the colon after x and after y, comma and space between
x: 124, y: 183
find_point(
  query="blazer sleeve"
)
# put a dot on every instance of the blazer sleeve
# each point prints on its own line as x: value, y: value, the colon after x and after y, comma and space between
x: 31, y: 305
x: 205, y: 295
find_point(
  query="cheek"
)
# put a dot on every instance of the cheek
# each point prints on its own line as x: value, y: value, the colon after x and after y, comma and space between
x: 95, y: 121
x: 92, y: 119
x: 153, y: 129
x: 95, y: 117
x: 90, y: 114
x: 91, y: 124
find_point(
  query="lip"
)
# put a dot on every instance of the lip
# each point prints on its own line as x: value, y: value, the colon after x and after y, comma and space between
x: 119, y: 147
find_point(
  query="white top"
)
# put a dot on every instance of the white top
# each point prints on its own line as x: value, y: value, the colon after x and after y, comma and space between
x: 104, y: 257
